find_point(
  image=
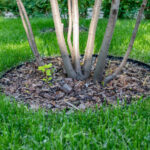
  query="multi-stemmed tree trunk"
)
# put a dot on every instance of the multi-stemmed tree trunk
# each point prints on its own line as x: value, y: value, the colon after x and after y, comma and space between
x: 74, y: 48
x: 123, y: 63
x: 29, y: 33
x: 72, y: 66
x: 61, y: 40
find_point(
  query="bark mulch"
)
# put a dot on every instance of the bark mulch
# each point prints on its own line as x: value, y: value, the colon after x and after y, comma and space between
x: 25, y: 84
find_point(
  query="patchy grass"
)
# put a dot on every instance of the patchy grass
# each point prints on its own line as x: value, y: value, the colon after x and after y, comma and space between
x: 121, y: 127
x: 14, y: 45
x: 118, y: 127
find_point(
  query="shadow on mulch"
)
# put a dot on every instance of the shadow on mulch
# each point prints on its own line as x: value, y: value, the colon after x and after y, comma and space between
x: 25, y: 83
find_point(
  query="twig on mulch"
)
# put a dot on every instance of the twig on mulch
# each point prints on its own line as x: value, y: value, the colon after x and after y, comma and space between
x: 73, y: 106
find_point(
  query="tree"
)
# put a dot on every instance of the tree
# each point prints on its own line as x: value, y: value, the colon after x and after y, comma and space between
x: 79, y: 72
x: 73, y: 66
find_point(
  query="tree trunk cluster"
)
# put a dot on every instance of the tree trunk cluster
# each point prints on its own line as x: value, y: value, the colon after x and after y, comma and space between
x: 74, y: 68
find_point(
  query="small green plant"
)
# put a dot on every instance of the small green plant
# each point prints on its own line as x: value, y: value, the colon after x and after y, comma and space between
x: 48, y: 71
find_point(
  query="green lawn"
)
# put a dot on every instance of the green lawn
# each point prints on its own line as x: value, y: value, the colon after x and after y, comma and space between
x: 120, y: 127
x: 14, y: 45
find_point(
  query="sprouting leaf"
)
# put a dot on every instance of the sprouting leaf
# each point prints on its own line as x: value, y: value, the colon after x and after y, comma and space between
x: 41, y: 68
x: 44, y: 79
x: 48, y: 72
x: 50, y: 65
x: 50, y: 78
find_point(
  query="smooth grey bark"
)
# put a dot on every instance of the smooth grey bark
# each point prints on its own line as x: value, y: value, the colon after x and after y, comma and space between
x: 101, y: 61
x: 75, y: 11
x: 123, y: 63
x: 29, y: 33
x: 60, y: 38
x: 91, y: 38
x: 70, y: 30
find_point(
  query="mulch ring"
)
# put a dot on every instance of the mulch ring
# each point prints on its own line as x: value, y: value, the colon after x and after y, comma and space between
x: 25, y: 84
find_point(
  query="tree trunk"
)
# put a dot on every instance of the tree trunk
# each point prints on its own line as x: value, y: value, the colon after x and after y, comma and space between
x: 91, y: 38
x: 60, y: 38
x: 70, y: 30
x: 101, y: 61
x: 75, y: 11
x: 123, y: 63
x: 29, y: 33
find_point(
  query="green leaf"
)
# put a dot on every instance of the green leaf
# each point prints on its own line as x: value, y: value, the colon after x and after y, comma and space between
x: 50, y: 78
x: 49, y: 65
x: 41, y: 69
x: 48, y: 72
x: 44, y: 79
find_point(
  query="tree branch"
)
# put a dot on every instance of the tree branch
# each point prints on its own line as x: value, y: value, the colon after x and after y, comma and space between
x: 70, y: 30
x: 75, y: 11
x: 101, y: 61
x: 123, y: 63
x: 29, y: 33
x: 60, y: 38
x: 91, y: 38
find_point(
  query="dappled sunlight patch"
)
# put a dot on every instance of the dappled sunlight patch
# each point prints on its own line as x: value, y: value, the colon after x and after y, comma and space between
x: 15, y: 53
x: 147, y: 38
x: 14, y: 47
x: 47, y: 47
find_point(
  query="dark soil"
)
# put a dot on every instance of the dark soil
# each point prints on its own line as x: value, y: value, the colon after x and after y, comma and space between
x: 25, y: 84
